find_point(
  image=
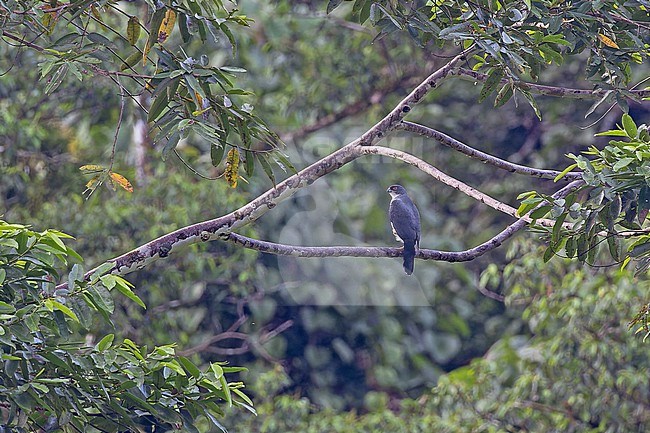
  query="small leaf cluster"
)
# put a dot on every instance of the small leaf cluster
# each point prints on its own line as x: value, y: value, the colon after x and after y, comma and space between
x: 610, y: 208
x: 54, y: 380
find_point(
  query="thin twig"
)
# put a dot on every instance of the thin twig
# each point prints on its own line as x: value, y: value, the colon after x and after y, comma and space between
x: 119, y: 122
x: 541, y: 89
x: 482, y: 156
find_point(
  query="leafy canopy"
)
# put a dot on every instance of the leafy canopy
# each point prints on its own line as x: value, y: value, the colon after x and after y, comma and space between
x: 53, y: 379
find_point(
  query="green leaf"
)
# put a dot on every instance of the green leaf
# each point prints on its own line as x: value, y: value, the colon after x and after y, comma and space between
x: 157, y: 107
x: 250, y: 163
x: 226, y: 389
x: 557, y: 228
x: 183, y: 29
x: 216, y: 153
x: 504, y: 95
x: 533, y: 103
x: 612, y: 133
x: 52, y: 305
x: 170, y: 145
x: 105, y: 342
x: 629, y: 126
x: 640, y: 249
x: 614, y: 245
x: 190, y: 367
x: 124, y: 287
x: 333, y: 4
x: 493, y: 80
x: 283, y: 162
x: 193, y: 83
x: 55, y: 81
x: 154, y: 27
x: 548, y: 254
x: 564, y: 172
x: 622, y: 163
x: 75, y: 275
x: 101, y: 298
x: 101, y: 270
x: 541, y: 212
x: 6, y: 308
x: 133, y: 30
x: 262, y: 158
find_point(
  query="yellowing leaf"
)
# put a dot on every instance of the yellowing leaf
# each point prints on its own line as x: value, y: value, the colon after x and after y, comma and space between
x: 92, y: 186
x: 145, y: 52
x: 49, y: 21
x: 91, y: 168
x: 121, y: 181
x: 133, y: 30
x: 607, y: 41
x: 166, y: 26
x: 232, y: 167
x: 95, y: 13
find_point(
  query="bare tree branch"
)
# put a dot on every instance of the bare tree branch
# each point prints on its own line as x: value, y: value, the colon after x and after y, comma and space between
x: 221, y: 227
x: 424, y: 254
x: 560, y: 92
x: 482, y: 156
x: 363, y: 103
x: 444, y: 178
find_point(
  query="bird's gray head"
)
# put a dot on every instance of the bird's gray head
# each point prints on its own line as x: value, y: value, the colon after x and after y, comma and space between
x: 395, y: 190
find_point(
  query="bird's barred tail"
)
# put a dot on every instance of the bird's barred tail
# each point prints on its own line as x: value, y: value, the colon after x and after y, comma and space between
x: 409, y: 257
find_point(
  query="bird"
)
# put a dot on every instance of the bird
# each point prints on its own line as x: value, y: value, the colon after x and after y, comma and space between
x: 405, y: 223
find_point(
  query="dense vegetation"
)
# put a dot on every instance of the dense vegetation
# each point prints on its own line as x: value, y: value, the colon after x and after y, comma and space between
x: 534, y: 335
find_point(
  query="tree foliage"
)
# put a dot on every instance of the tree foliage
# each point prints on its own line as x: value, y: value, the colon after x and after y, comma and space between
x: 580, y: 370
x: 188, y: 96
x: 310, y: 72
x: 54, y: 380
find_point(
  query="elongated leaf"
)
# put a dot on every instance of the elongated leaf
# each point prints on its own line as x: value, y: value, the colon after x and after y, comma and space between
x: 629, y: 126
x: 156, y: 21
x: 166, y: 26
x: 101, y: 298
x: 531, y: 100
x: 232, y: 167
x: 170, y: 145
x: 76, y: 274
x: 504, y: 95
x: 216, y: 153
x: 189, y: 367
x: 123, y: 287
x: 183, y: 28
x: 133, y: 30
x: 333, y: 4
x: 52, y: 305
x: 157, y: 107
x: 57, y: 78
x: 564, y: 172
x: 121, y: 181
x: 130, y: 61
x: 607, y: 41
x: 250, y: 163
x: 491, y: 83
x: 105, y: 343
x: 266, y: 167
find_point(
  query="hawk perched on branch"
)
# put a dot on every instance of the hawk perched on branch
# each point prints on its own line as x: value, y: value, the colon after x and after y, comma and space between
x: 405, y: 222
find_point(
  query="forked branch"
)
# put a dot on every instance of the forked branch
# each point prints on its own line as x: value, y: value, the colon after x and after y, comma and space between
x: 223, y: 227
